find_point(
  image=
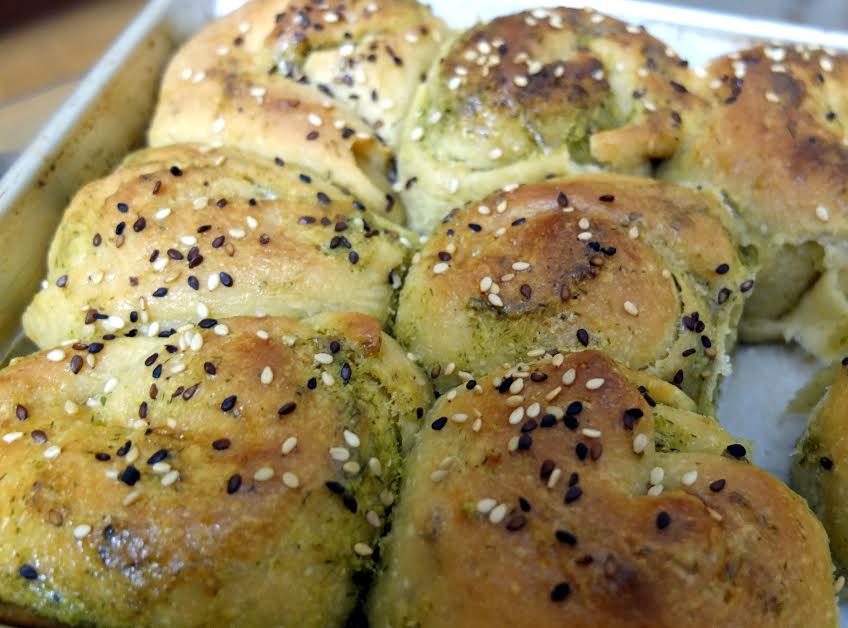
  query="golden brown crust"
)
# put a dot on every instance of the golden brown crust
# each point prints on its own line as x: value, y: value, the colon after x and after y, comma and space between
x: 773, y: 142
x: 120, y: 541
x: 820, y: 464
x: 610, y: 262
x: 306, y: 82
x: 536, y: 93
x: 286, y: 240
x: 465, y: 550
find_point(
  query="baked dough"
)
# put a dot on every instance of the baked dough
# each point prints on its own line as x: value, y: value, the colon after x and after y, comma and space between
x: 513, y: 515
x: 185, y: 233
x: 161, y: 485
x: 772, y: 142
x: 534, y: 94
x: 323, y: 85
x: 646, y: 271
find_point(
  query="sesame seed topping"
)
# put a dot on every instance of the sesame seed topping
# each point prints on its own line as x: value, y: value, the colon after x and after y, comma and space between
x: 56, y: 355
x: 718, y: 485
x: 595, y: 383
x: 560, y: 592
x: 81, y: 531
x: 291, y: 480
x: 263, y: 474
x: 663, y: 520
x: 497, y: 514
x: 323, y: 358
x: 631, y: 309
x: 11, y: 437
x: 822, y: 213
x: 363, y: 549
x: 640, y: 443
x: 440, y: 268
x: 689, y: 478
x: 52, y: 451
x: 736, y: 450
x: 569, y: 376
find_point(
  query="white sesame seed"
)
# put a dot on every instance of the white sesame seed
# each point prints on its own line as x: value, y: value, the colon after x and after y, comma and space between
x: 288, y: 445
x: 485, y: 284
x: 454, y: 82
x: 170, y: 477
x: 110, y: 385
x: 552, y: 394
x: 640, y: 443
x: 591, y: 433
x: 262, y: 334
x: 495, y: 153
x: 362, y: 549
x: 826, y: 64
x: 314, y: 119
x: 514, y: 400
x: 416, y: 134
x: 485, y: 505
x: 264, y: 473
x: 291, y: 480
x: 221, y: 330
x: 196, y: 342
x: 594, y: 383
x: 656, y: 490
x: 82, y: 531
x: 450, y: 368
x: 558, y: 359
x: 838, y: 585
x: 252, y: 223
x: 520, y: 80
x: 519, y: 266
x: 534, y: 409
x: 822, y: 213
x: 516, y: 416
x: 483, y: 210
x: 341, y: 454
x: 162, y: 213
x: 584, y: 236
x: 159, y: 264
x: 689, y: 478
x: 56, y: 355
x: 657, y: 475
x: 631, y: 308
x: 772, y: 97
x: 375, y: 467
x: 351, y: 439
x: 497, y: 514
x: 327, y: 379
x: 237, y: 233
x: 52, y: 451
x: 440, y: 268
x: 438, y: 475
x: 569, y: 376
x: 132, y: 455
x: 517, y: 386
x: 218, y: 125
x: 351, y: 467
x: 512, y: 445
x: 267, y: 375
x: 583, y: 223
x: 71, y: 407
x: 323, y: 358
x: 555, y: 476
x: 131, y: 497
x: 495, y: 300
x: 11, y: 437
x: 373, y: 519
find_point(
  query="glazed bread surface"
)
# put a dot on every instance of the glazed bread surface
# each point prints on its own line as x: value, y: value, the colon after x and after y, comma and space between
x: 772, y: 141
x: 561, y: 510
x: 646, y: 271
x: 322, y: 85
x: 230, y: 476
x: 186, y: 233
x: 533, y: 94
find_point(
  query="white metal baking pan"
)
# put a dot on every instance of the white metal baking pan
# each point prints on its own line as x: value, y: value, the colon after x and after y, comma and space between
x: 107, y: 115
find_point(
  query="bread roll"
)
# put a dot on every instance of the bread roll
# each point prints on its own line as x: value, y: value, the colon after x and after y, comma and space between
x: 229, y: 477
x: 772, y: 142
x: 182, y: 234
x: 646, y: 271
x: 323, y: 85
x: 820, y: 461
x: 538, y: 93
x: 513, y: 515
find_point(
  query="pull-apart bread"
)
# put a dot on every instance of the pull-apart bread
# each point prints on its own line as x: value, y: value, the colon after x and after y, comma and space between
x: 538, y: 93
x: 646, y: 271
x: 597, y: 499
x: 322, y: 84
x: 237, y: 475
x: 183, y: 234
x: 772, y: 141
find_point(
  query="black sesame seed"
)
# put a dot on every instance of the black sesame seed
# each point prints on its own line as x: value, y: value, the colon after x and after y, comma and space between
x: 76, y: 364
x: 130, y: 476
x: 529, y: 425
x: 573, y: 494
x: 663, y: 520
x: 21, y: 412
x: 335, y: 487
x: 226, y: 279
x: 350, y: 502
x: 160, y: 292
x: 723, y: 296
x: 209, y: 368
x: 736, y: 450
x: 312, y: 383
x: 28, y: 572
x: 94, y: 347
x: 157, y: 372
x: 207, y: 323
x: 335, y: 347
x: 62, y: 281
x: 826, y: 463
x: 562, y: 199
x: 746, y: 285
x: 159, y: 456
x: 218, y: 242
x: 124, y: 449
x: 102, y: 456
x: 563, y: 536
x: 573, y: 479
x: 583, y: 337
x: 345, y: 372
x: 515, y: 522
x: 221, y: 444
x: 537, y: 376
x: 475, y: 227
x: 123, y: 208
x: 119, y: 229
x: 560, y: 592
x: 581, y: 450
x: 470, y: 384
x: 571, y: 422
x: 678, y: 377
x: 233, y: 484
x: 546, y: 469
x: 575, y: 407
x: 721, y: 269
x: 705, y: 340
x: 549, y: 420
x: 525, y: 441
x: 524, y: 504
x: 526, y: 291
x: 353, y: 257
x: 439, y: 423
x: 287, y: 408
x: 718, y: 485
x: 606, y: 198
x: 139, y: 224
x: 323, y: 198
x: 175, y: 254
x: 229, y: 403
x: 97, y: 239
x: 193, y: 283
x: 176, y: 171
x: 688, y: 352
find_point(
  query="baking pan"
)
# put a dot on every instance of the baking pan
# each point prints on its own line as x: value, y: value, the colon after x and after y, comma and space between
x: 107, y: 115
